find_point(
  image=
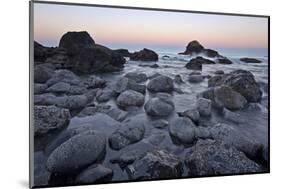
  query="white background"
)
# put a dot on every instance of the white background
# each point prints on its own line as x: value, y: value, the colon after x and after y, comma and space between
x: 14, y: 116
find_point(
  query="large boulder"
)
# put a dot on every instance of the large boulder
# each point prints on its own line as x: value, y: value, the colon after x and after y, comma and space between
x: 77, y: 153
x: 131, y: 132
x: 144, y: 55
x: 196, y: 63
x: 73, y: 42
x: 241, y: 81
x: 49, y: 118
x: 224, y: 60
x: 96, y: 173
x: 65, y: 76
x: 161, y: 84
x: 130, y: 98
x: 182, y: 130
x: 157, y: 164
x: 250, y: 60
x: 123, y: 52
x: 193, y: 47
x: 161, y: 105
x: 210, y: 157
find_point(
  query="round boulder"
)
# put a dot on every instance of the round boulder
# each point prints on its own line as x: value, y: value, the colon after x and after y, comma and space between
x: 161, y: 84
x: 159, y: 106
x: 130, y: 98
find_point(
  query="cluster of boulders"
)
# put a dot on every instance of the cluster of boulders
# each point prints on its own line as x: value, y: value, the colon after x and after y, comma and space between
x: 91, y: 123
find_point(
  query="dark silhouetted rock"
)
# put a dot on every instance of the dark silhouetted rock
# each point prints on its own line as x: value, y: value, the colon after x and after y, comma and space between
x: 195, y: 78
x: 131, y: 132
x: 211, y: 53
x: 219, y: 72
x: 209, y: 157
x: 160, y: 84
x: 224, y: 60
x: 157, y: 164
x: 196, y: 63
x: 49, y: 118
x: 182, y: 130
x: 96, y: 173
x: 144, y: 55
x: 74, y: 42
x: 123, y: 52
x: 42, y: 73
x: 130, y: 98
x: 161, y: 105
x: 250, y: 60
x: 193, y: 47
x: 77, y: 153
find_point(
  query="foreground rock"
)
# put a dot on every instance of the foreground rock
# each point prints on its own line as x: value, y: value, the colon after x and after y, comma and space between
x: 157, y: 164
x: 196, y: 63
x: 209, y: 157
x: 182, y: 130
x: 96, y: 173
x: 49, y: 118
x: 204, y: 106
x: 65, y: 76
x: 192, y: 114
x: 130, y: 98
x: 130, y: 133
x: 161, y: 84
x: 250, y: 60
x: 161, y: 105
x: 241, y: 81
x: 124, y: 83
x: 77, y: 153
x: 70, y: 102
x: 144, y: 55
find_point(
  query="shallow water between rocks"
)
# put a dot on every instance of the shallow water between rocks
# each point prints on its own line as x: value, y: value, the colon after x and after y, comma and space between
x: 253, y: 120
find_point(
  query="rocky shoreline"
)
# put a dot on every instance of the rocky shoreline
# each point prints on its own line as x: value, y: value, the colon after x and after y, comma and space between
x: 92, y: 130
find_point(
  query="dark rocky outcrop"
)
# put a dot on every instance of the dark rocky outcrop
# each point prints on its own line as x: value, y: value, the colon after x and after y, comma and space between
x: 196, y: 63
x: 144, y: 55
x: 241, y: 81
x: 224, y: 60
x: 250, y: 60
x: 123, y: 52
x: 194, y: 47
x: 161, y: 84
x: 77, y: 153
x: 157, y: 164
x: 49, y: 118
x: 209, y: 157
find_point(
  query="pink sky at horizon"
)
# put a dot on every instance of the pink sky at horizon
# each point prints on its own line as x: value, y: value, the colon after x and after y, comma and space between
x: 126, y: 27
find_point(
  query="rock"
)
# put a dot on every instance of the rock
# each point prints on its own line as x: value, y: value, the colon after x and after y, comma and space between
x: 192, y: 114
x: 123, y: 84
x: 202, y: 132
x: 160, y: 123
x: 193, y: 47
x: 178, y: 79
x: 209, y: 157
x: 250, y: 60
x: 42, y: 73
x: 182, y: 130
x: 195, y: 73
x: 224, y: 96
x: 232, y: 116
x: 219, y: 72
x: 196, y: 63
x: 96, y: 173
x: 241, y: 81
x: 160, y: 84
x: 157, y: 164
x: 144, y: 55
x: 137, y: 77
x: 60, y: 87
x: 65, y: 76
x: 131, y: 132
x: 159, y: 106
x: 69, y: 102
x: 39, y: 52
x: 211, y: 53
x: 204, y: 106
x: 49, y: 118
x: 130, y: 98
x: 224, y: 60
x: 77, y: 153
x: 39, y: 88
x: 73, y: 42
x: 93, y: 82
x: 104, y: 95
x: 123, y: 52
x: 195, y: 78
x: 231, y: 136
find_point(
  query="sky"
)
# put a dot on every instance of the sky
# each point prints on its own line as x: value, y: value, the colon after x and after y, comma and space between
x: 158, y: 30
